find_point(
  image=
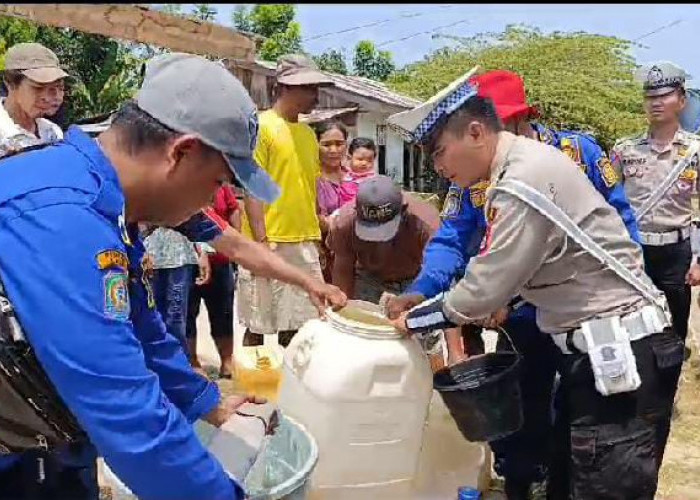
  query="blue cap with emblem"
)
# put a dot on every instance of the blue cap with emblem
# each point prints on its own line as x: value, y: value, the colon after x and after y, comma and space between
x: 418, y: 123
x: 193, y: 95
x: 660, y: 78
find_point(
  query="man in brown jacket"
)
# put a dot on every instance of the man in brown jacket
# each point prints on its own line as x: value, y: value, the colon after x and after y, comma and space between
x: 378, y: 242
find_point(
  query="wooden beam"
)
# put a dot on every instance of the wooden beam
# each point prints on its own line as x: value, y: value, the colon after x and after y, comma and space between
x: 138, y: 23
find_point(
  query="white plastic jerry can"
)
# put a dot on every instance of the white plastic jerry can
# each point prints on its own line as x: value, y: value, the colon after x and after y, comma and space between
x: 363, y: 391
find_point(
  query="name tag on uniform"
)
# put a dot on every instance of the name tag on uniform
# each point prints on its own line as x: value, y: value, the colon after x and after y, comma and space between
x: 634, y: 160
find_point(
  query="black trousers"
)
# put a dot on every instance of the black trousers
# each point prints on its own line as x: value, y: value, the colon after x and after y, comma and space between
x: 218, y: 297
x: 667, y: 266
x: 522, y: 457
x: 69, y: 474
x: 611, y: 447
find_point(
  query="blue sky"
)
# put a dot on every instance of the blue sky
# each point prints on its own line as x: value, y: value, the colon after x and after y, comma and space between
x: 679, y: 43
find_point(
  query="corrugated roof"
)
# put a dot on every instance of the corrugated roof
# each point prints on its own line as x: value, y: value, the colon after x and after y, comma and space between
x: 323, y: 114
x: 364, y: 87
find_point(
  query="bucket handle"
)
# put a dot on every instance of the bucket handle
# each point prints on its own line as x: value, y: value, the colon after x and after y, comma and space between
x: 500, y: 330
x: 268, y: 426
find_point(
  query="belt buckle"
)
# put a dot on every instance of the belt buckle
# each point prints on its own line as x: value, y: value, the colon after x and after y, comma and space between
x: 653, y: 239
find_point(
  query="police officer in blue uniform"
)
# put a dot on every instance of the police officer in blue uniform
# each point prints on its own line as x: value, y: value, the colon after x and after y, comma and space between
x: 72, y: 267
x: 521, y: 458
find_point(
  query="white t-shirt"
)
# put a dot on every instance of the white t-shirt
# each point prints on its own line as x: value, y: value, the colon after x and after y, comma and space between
x: 13, y: 137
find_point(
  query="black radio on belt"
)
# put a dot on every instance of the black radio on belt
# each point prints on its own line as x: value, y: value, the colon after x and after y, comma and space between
x: 32, y: 414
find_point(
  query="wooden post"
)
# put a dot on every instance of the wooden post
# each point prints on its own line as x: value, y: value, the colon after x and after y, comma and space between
x: 140, y: 24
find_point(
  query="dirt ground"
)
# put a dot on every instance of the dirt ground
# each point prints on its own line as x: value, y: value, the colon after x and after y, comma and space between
x: 680, y: 472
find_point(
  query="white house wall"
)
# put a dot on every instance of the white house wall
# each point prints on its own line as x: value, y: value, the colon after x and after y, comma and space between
x: 394, y: 156
x: 367, y: 127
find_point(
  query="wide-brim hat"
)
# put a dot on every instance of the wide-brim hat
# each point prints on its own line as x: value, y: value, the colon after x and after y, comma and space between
x: 296, y: 69
x: 34, y: 61
x: 418, y: 123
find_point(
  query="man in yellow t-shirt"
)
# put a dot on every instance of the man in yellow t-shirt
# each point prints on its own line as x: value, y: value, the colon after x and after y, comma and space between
x: 288, y: 151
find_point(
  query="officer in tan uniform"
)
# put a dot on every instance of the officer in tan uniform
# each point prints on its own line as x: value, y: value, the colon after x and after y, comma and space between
x: 659, y: 169
x: 554, y: 240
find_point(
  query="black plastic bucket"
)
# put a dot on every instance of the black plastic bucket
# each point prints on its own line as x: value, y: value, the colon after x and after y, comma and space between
x: 483, y: 395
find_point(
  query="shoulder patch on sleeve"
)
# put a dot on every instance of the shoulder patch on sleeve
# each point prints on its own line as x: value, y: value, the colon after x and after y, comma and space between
x: 607, y: 171
x: 108, y: 259
x: 453, y: 203
x: 116, y: 295
x: 571, y: 148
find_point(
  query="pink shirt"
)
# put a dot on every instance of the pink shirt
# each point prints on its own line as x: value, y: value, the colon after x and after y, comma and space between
x: 358, y: 177
x: 332, y: 195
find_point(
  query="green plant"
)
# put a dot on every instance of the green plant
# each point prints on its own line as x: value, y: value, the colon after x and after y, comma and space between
x: 580, y: 81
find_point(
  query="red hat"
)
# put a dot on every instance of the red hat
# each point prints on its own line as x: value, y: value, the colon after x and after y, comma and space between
x: 507, y: 91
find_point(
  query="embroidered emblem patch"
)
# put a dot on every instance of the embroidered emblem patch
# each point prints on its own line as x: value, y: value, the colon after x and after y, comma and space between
x: 607, y: 171
x: 147, y: 280
x: 112, y: 258
x: 477, y: 193
x: 655, y: 75
x: 569, y: 146
x: 689, y: 175
x: 453, y: 203
x: 116, y: 295
x: 687, y: 180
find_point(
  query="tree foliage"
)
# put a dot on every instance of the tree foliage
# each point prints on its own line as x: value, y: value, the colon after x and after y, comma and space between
x: 580, y: 81
x: 202, y: 12
x: 372, y: 63
x: 275, y: 23
x: 332, y: 61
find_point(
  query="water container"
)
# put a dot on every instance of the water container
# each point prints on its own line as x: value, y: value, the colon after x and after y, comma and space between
x: 258, y: 370
x: 280, y: 472
x: 468, y: 493
x: 483, y: 395
x: 362, y: 391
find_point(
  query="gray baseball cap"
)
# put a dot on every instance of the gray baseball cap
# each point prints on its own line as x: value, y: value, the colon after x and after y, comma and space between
x: 193, y: 95
x: 34, y: 61
x: 295, y: 69
x: 661, y: 78
x: 378, y: 206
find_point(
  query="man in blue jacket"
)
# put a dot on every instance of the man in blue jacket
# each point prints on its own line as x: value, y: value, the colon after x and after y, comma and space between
x: 72, y: 266
x: 523, y: 457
